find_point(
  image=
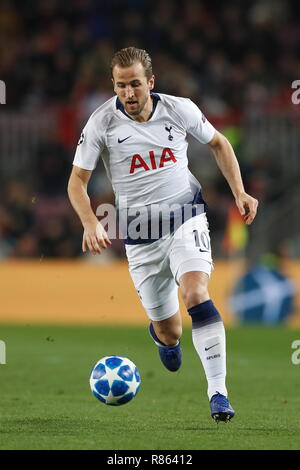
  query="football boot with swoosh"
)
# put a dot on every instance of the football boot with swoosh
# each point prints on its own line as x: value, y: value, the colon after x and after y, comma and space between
x: 220, y: 408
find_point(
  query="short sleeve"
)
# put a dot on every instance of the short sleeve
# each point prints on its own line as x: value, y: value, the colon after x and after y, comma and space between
x: 89, y: 147
x: 196, y: 123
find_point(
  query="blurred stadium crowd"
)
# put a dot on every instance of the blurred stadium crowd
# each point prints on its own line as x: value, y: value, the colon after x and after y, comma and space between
x: 233, y: 59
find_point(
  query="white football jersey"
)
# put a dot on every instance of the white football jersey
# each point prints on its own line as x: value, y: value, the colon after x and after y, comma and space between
x: 146, y: 162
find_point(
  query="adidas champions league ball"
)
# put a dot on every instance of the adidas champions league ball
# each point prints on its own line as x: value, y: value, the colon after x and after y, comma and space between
x: 115, y: 380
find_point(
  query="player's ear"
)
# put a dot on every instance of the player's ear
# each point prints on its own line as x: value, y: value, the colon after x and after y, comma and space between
x: 113, y: 82
x: 151, y: 82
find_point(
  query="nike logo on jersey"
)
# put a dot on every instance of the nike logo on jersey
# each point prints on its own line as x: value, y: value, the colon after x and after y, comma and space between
x: 206, y: 349
x: 120, y: 141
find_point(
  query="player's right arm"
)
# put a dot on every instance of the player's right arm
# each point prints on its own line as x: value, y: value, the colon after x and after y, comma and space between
x: 94, y: 236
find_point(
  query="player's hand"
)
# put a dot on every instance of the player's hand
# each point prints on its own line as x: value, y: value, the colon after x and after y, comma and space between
x: 95, y: 238
x: 247, y: 206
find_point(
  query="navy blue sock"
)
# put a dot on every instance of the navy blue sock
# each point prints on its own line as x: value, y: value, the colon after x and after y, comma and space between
x: 203, y: 314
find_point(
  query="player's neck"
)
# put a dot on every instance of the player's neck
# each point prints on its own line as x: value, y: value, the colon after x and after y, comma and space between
x: 146, y: 112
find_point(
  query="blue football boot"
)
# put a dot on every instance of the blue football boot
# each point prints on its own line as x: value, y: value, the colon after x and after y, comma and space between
x: 170, y: 357
x: 220, y: 408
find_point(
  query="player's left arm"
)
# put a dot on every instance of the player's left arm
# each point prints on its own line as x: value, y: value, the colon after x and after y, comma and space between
x: 228, y: 164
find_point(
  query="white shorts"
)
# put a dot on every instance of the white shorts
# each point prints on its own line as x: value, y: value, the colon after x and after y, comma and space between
x: 156, y: 267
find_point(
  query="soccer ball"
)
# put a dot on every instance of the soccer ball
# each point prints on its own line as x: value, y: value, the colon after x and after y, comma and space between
x: 115, y: 380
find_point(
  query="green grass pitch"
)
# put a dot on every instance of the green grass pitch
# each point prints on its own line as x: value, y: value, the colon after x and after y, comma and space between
x: 46, y: 401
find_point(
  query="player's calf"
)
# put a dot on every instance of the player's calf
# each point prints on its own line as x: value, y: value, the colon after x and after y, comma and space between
x: 193, y: 287
x: 171, y: 356
x: 166, y: 336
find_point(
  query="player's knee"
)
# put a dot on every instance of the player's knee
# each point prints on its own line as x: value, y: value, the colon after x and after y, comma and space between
x: 195, y: 296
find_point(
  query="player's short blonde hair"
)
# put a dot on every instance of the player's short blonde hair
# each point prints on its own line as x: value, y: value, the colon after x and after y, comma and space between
x: 128, y: 56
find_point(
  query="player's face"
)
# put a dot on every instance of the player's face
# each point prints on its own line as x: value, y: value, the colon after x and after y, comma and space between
x: 133, y: 88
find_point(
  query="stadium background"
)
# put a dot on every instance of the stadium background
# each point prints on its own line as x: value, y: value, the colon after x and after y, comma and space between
x: 237, y: 61
x: 60, y: 310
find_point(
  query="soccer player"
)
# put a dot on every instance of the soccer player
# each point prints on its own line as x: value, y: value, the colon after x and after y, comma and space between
x: 141, y: 137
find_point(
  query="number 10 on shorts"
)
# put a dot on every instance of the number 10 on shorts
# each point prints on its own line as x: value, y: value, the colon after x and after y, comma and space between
x: 202, y: 241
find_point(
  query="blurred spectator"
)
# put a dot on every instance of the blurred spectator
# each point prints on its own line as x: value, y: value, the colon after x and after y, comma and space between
x: 52, y: 167
x: 17, y: 217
